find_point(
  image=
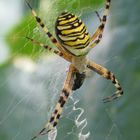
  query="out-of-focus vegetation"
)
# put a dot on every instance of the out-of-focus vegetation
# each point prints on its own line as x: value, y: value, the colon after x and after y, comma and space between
x: 29, y: 90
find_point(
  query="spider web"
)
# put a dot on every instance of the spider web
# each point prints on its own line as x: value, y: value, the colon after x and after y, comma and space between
x: 30, y: 87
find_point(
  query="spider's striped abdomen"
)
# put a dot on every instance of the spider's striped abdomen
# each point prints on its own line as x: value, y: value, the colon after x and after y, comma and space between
x: 72, y: 33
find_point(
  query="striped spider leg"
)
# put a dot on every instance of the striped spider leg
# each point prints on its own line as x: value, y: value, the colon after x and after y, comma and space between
x: 98, y: 33
x: 100, y: 19
x: 45, y: 29
x: 57, y: 52
x: 64, y: 95
x: 108, y: 75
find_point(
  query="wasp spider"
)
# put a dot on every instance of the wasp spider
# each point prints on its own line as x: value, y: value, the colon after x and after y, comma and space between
x: 73, y: 44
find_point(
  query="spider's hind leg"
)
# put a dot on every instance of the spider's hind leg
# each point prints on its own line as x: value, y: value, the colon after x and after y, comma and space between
x: 65, y: 93
x: 45, y: 29
x: 108, y: 75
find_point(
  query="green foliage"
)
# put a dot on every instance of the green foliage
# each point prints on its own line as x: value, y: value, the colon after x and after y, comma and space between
x: 76, y: 5
x: 17, y: 38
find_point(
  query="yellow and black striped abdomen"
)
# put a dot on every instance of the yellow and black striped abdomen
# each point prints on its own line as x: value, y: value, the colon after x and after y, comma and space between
x: 71, y: 33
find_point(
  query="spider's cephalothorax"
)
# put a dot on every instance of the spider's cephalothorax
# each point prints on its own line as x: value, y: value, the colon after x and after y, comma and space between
x: 72, y: 33
x: 74, y: 44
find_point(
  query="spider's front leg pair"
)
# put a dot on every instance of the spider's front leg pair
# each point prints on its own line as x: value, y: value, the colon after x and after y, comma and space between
x: 61, y: 52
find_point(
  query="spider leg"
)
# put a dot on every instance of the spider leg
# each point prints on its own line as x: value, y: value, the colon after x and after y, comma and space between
x: 49, y: 48
x: 98, y: 15
x: 45, y: 29
x: 65, y: 93
x: 98, y: 33
x: 108, y: 75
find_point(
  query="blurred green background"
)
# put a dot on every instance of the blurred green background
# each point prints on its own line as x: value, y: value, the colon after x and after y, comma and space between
x: 31, y: 78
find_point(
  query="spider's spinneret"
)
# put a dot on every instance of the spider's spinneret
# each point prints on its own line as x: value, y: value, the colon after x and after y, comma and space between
x: 72, y: 33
